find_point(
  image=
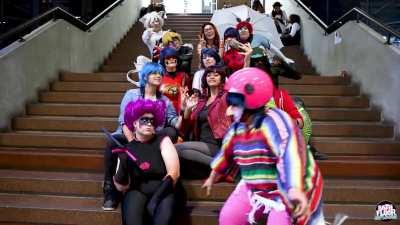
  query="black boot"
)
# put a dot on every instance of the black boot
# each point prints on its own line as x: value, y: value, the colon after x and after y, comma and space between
x: 111, y: 196
x: 317, y: 155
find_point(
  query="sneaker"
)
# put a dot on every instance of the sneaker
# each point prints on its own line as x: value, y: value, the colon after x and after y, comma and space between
x: 110, y: 197
x: 318, y: 155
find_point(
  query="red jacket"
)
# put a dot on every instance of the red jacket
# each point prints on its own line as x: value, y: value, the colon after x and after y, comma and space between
x: 284, y: 102
x: 217, y: 118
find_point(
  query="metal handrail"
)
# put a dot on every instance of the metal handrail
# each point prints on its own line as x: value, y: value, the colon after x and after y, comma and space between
x: 53, y: 14
x: 341, y: 21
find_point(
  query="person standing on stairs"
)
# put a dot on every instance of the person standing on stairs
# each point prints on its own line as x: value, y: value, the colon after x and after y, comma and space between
x: 148, y: 167
x: 153, y: 23
x: 150, y: 78
x: 282, y: 100
x: 279, y: 16
x: 279, y: 176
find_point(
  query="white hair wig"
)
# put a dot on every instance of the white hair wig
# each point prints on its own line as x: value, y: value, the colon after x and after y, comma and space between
x: 149, y: 18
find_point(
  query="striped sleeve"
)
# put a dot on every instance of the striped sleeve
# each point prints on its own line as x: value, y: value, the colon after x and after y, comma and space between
x: 280, y: 134
x: 223, y: 160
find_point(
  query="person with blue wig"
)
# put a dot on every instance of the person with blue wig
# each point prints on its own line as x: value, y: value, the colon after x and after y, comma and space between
x: 150, y: 78
x: 208, y: 57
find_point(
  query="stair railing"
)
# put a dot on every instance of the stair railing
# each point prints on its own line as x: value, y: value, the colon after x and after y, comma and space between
x: 56, y: 13
x: 359, y: 13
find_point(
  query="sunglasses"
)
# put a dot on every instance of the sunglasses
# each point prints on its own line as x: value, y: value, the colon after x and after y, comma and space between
x: 146, y: 121
x: 235, y: 99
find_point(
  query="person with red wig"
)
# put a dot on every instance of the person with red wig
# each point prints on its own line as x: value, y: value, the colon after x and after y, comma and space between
x: 148, y: 168
x: 246, y: 35
x: 236, y: 55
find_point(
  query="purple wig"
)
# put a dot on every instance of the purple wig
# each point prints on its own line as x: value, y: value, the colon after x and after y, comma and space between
x: 135, y: 109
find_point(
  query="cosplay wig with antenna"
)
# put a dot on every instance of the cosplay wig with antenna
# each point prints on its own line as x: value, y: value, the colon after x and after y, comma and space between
x: 135, y: 109
x: 149, y: 18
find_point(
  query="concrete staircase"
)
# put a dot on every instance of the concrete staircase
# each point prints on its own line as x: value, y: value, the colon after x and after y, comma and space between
x: 51, y: 161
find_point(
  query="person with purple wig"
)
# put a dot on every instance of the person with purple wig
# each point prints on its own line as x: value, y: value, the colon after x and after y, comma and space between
x: 148, y: 168
x: 150, y: 78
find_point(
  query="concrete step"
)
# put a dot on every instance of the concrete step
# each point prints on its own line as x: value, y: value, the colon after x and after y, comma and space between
x: 107, y: 77
x: 90, y: 124
x: 52, y: 139
x: 97, y: 77
x: 81, y: 97
x: 352, y: 129
x: 344, y: 114
x: 357, y: 146
x: 46, y: 209
x: 53, y: 123
x: 50, y: 159
x: 294, y: 89
x: 89, y: 184
x: 62, y: 109
x: 52, y: 209
x: 115, y: 98
x: 112, y: 110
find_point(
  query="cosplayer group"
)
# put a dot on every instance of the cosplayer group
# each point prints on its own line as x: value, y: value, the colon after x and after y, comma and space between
x: 228, y: 122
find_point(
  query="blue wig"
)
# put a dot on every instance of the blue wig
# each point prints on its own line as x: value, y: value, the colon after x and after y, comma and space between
x: 148, y: 69
x: 231, y: 32
x: 209, y: 52
x: 168, y: 52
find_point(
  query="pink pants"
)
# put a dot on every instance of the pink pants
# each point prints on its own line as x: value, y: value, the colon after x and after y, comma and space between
x: 237, y: 207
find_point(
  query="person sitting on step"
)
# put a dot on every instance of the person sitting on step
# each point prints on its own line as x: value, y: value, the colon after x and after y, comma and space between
x: 236, y: 55
x: 208, y: 57
x: 148, y: 170
x: 175, y: 81
x: 149, y: 81
x: 185, y: 51
x: 206, y: 117
x: 291, y: 36
x: 209, y: 38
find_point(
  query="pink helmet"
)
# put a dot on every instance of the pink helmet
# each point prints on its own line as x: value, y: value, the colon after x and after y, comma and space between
x: 254, y: 84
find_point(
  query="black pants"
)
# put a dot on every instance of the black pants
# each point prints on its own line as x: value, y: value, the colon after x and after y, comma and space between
x: 110, y: 160
x: 134, y: 209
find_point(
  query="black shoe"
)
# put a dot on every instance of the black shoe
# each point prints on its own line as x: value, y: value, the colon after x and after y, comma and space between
x: 111, y: 199
x: 318, y: 155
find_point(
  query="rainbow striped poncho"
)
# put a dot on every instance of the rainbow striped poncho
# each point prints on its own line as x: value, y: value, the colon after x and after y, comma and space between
x: 272, y: 159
